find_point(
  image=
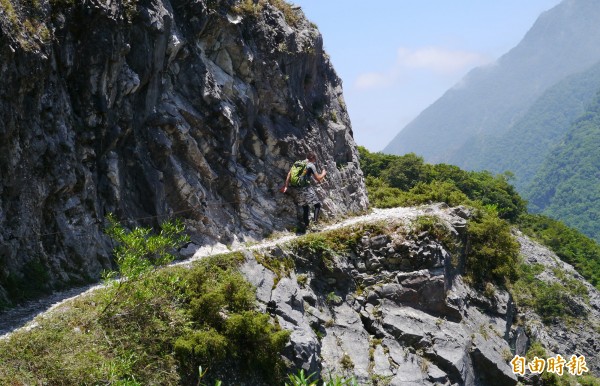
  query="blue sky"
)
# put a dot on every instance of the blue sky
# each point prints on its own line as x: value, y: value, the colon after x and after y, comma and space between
x: 396, y: 57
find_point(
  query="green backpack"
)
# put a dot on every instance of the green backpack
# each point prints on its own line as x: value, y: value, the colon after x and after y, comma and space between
x: 298, y: 177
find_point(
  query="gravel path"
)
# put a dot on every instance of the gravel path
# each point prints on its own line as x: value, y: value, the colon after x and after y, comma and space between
x: 23, y: 316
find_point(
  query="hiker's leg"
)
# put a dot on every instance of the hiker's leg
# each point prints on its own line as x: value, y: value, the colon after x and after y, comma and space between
x: 317, y: 210
x: 305, y: 215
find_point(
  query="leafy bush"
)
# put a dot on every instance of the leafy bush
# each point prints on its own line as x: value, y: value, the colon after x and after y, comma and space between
x: 404, y: 172
x: 407, y: 180
x: 492, y: 252
x: 549, y: 300
x: 137, y: 253
x: 226, y: 328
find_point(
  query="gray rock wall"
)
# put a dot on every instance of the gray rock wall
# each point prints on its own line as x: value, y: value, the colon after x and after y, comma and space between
x: 151, y: 110
x: 579, y: 335
x: 392, y: 310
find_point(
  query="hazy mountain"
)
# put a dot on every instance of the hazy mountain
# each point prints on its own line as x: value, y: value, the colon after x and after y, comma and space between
x: 523, y: 148
x: 491, y: 100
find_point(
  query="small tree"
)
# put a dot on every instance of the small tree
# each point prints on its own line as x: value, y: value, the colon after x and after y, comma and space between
x: 138, y: 253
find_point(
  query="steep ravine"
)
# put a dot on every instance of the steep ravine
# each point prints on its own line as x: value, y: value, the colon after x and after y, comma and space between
x: 154, y: 109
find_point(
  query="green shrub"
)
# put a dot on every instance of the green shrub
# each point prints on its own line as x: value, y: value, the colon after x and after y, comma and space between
x: 222, y: 308
x: 139, y: 252
x: 549, y: 300
x: 207, y: 344
x: 407, y: 180
x: 492, y: 252
x: 404, y: 172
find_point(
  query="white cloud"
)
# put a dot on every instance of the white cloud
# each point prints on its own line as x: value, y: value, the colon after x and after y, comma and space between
x: 437, y: 60
x: 371, y: 80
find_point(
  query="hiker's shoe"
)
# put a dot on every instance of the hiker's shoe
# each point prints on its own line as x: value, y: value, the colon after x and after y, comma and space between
x: 315, y: 228
x: 301, y: 229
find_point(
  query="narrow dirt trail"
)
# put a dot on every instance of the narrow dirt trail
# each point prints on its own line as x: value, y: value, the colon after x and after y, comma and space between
x: 24, y: 315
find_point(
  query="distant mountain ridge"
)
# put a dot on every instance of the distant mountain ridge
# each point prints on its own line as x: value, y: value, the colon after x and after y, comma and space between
x: 492, y: 99
x: 524, y: 147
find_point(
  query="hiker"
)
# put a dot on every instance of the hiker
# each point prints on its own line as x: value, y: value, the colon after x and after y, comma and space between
x: 299, y: 177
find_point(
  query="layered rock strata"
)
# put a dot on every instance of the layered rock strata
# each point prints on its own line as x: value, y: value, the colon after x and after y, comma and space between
x: 392, y: 310
x: 155, y: 109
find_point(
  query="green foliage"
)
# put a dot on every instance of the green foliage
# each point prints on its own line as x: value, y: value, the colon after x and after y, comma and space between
x: 300, y: 379
x: 549, y: 300
x: 372, y: 164
x: 434, y: 228
x: 336, y: 380
x: 492, y: 252
x: 316, y: 246
x: 139, y: 252
x: 226, y: 328
x: 404, y: 172
x: 569, y: 244
x: 407, y: 180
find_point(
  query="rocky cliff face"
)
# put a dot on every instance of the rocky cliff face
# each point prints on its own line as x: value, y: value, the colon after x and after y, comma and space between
x: 154, y: 109
x: 391, y: 307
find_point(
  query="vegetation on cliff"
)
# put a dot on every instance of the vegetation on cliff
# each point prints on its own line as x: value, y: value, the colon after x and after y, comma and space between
x: 160, y: 326
x: 408, y: 180
x: 152, y: 326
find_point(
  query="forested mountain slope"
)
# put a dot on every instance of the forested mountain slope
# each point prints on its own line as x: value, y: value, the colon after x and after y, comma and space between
x: 567, y: 186
x: 524, y: 147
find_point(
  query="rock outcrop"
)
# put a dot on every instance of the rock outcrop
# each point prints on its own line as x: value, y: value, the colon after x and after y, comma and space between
x: 390, y: 306
x: 390, y: 310
x: 579, y: 335
x: 154, y: 109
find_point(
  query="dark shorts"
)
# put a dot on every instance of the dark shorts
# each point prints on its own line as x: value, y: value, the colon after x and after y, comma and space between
x: 306, y: 196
